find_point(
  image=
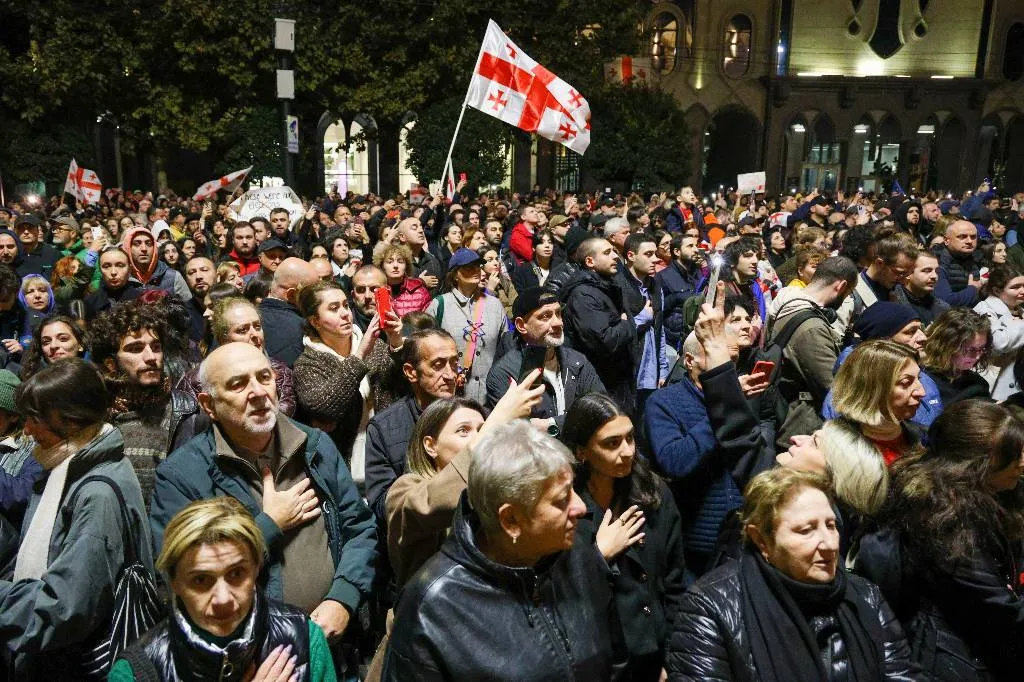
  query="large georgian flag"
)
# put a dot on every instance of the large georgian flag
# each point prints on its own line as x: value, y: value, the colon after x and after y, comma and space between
x: 229, y: 183
x: 510, y: 86
x: 83, y: 184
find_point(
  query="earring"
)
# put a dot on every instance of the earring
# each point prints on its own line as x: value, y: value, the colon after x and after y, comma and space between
x: 515, y: 539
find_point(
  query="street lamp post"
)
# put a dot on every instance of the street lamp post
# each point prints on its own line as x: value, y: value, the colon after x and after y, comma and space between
x: 284, y: 43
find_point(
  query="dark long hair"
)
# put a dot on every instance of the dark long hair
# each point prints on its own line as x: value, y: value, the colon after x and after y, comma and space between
x: 585, y: 418
x: 941, y: 497
x: 34, y: 359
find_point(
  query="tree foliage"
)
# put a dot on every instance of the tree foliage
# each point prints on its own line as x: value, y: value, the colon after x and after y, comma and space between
x: 481, y: 150
x: 639, y: 138
x: 197, y: 75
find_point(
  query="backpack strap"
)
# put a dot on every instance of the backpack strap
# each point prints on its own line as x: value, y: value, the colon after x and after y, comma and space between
x: 791, y: 327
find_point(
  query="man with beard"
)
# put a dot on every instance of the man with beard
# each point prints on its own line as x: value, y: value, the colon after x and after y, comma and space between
x: 320, y: 536
x: 567, y: 373
x: 200, y: 273
x: 146, y: 269
x: 280, y: 221
x: 365, y: 282
x: 812, y: 350
x: 243, y: 248
x: 127, y: 344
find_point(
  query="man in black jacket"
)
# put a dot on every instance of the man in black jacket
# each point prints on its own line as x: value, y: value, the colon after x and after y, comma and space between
x: 567, y: 374
x: 679, y: 282
x: 282, y: 324
x: 37, y: 257
x: 597, y: 323
x: 429, y: 362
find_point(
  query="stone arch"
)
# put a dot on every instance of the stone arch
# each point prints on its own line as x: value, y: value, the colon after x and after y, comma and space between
x: 731, y: 146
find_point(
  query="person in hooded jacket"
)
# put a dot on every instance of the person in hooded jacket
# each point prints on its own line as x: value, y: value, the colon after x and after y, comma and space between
x: 146, y: 269
x: 908, y: 218
x: 37, y: 300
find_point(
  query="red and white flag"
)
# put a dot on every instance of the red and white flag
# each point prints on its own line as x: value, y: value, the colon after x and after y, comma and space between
x: 229, y: 183
x: 510, y: 86
x: 449, y: 183
x: 83, y: 184
x: 629, y: 70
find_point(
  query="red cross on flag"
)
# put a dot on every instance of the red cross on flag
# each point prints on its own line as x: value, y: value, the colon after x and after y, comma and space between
x: 228, y: 183
x: 508, y: 85
x: 83, y: 184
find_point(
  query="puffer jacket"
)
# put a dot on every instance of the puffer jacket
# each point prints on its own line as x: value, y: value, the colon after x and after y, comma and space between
x: 710, y: 639
x: 465, y: 617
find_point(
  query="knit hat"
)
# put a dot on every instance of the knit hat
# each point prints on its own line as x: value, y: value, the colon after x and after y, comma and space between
x: 531, y: 299
x: 573, y: 238
x: 883, y: 319
x: 9, y: 383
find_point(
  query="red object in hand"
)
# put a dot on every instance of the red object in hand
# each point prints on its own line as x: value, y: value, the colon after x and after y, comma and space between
x: 383, y: 304
x: 462, y: 177
x: 763, y: 367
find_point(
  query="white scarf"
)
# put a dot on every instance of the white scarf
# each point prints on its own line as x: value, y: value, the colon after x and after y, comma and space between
x: 34, y: 552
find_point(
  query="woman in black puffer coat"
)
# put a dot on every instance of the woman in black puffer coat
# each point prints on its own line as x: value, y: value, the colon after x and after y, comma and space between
x: 786, y: 611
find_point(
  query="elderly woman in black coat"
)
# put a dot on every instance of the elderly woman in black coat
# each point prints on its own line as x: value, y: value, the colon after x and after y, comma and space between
x: 515, y: 592
x: 786, y: 611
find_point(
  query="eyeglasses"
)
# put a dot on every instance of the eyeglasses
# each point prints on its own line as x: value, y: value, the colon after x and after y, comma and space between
x: 973, y: 350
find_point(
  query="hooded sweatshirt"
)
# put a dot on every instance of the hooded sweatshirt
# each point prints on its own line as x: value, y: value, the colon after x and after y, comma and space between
x: 157, y: 273
x: 33, y: 318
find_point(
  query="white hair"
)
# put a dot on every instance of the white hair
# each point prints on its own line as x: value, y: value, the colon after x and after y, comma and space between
x: 859, y: 475
x: 692, y: 346
x: 512, y: 464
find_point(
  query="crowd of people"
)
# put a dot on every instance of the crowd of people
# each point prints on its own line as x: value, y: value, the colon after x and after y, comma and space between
x: 543, y: 436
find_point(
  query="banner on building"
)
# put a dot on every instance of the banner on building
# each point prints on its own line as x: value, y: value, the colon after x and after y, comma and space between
x: 626, y: 69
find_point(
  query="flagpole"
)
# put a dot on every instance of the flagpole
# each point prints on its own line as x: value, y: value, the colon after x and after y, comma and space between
x: 462, y: 111
x: 458, y: 124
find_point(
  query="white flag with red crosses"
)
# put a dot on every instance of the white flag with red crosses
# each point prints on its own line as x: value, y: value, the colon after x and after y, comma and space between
x: 510, y: 86
x: 83, y: 184
x: 229, y: 183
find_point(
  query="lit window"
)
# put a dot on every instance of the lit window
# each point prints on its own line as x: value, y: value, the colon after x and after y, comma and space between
x: 738, y: 36
x: 664, y: 42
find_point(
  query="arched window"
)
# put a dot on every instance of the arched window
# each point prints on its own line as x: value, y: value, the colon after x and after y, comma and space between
x: 1013, y: 53
x: 738, y: 37
x: 664, y: 42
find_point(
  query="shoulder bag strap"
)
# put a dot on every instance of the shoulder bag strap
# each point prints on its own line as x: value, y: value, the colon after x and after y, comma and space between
x: 474, y: 335
x: 126, y: 535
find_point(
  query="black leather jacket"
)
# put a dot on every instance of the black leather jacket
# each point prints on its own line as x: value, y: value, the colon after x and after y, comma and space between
x: 178, y: 652
x: 464, y: 617
x: 709, y: 639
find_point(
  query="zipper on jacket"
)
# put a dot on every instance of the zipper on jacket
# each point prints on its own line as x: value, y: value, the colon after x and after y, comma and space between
x: 225, y: 669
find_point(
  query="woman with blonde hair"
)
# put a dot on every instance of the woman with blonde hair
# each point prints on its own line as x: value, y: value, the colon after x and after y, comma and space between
x: 408, y: 294
x: 878, y: 390
x: 787, y: 610
x: 230, y: 272
x: 220, y: 626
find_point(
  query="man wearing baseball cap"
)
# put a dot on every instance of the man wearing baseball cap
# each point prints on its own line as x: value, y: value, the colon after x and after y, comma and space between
x: 539, y: 343
x: 36, y: 257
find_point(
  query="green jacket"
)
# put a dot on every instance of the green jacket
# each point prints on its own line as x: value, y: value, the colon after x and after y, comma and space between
x: 321, y: 665
x: 194, y: 472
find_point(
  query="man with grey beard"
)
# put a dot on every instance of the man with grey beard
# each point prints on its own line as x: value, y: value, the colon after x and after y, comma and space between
x: 567, y: 373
